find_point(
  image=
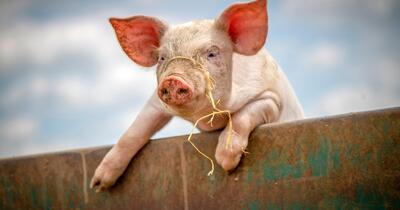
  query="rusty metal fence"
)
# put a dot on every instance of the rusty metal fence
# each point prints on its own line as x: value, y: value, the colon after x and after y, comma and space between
x: 342, y: 162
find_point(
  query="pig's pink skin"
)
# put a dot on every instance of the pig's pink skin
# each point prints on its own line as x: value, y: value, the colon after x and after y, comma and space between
x: 249, y: 83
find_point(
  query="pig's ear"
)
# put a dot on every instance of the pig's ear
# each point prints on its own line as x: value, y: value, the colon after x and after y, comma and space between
x: 247, y: 26
x: 139, y: 37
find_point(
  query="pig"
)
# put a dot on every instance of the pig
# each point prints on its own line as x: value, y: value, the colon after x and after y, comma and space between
x: 248, y: 81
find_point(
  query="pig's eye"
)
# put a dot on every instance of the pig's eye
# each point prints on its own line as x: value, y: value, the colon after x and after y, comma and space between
x: 161, y: 59
x: 212, y: 53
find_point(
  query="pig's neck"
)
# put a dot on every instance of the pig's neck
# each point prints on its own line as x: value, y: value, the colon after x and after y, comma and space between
x: 250, y: 77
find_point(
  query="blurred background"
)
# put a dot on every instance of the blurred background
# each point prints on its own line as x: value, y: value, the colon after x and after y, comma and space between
x: 65, y: 83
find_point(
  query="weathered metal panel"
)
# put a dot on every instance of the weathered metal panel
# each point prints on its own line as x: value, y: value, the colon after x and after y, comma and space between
x: 341, y: 162
x: 345, y: 162
x: 152, y: 181
x: 41, y: 183
x: 61, y: 180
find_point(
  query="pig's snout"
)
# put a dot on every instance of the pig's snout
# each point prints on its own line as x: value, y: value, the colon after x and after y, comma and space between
x: 174, y: 90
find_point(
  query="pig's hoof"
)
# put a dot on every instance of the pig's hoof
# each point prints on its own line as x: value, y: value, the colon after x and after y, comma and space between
x: 103, y: 179
x: 228, y: 157
x: 228, y: 161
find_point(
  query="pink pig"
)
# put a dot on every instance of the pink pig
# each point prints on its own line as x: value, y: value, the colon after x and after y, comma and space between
x: 248, y: 81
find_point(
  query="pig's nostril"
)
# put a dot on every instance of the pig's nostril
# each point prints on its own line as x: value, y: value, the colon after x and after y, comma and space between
x: 164, y: 91
x: 182, y: 91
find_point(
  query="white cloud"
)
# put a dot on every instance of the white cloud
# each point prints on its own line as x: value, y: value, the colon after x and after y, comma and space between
x: 116, y: 78
x: 18, y: 129
x: 347, y: 99
x: 72, y: 91
x: 75, y: 92
x: 34, y: 89
x: 39, y: 86
x: 374, y: 86
x: 386, y: 73
x: 324, y: 55
x: 41, y: 43
x: 327, y: 12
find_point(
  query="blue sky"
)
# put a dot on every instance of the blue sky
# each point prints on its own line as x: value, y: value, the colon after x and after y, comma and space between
x: 65, y: 83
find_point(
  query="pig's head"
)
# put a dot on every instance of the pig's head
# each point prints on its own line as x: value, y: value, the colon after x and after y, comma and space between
x: 184, y: 53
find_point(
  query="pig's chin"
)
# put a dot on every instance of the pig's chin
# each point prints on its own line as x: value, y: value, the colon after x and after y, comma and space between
x: 189, y: 109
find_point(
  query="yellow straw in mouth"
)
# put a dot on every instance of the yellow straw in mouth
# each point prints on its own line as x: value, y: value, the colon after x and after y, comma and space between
x: 209, y: 88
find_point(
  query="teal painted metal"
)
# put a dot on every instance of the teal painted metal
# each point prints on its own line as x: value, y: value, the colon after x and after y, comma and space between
x: 341, y: 162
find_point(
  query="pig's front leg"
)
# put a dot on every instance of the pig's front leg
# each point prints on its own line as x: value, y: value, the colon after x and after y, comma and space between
x: 265, y: 109
x: 151, y: 118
